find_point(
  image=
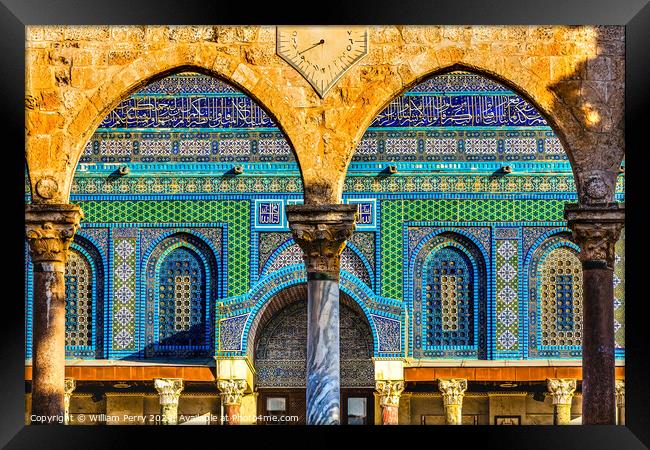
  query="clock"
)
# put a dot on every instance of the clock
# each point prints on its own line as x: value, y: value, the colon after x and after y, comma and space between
x: 322, y: 54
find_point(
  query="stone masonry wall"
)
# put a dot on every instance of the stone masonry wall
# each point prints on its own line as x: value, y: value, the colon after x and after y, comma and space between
x: 76, y: 74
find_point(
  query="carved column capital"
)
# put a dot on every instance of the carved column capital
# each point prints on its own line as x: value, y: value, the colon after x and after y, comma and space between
x: 232, y: 391
x: 50, y: 230
x: 389, y: 392
x: 596, y: 229
x: 620, y: 393
x: 453, y: 390
x: 321, y: 232
x: 169, y: 390
x: 561, y: 390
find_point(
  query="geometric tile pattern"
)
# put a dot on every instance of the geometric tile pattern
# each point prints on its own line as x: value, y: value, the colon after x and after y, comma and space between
x: 619, y: 292
x: 449, y: 299
x: 396, y: 212
x: 182, y: 299
x: 78, y: 300
x: 235, y: 213
x: 433, y: 330
x: 561, y: 298
x: 507, y: 293
x: 124, y: 294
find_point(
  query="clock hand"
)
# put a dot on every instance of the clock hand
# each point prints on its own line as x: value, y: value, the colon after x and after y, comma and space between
x: 322, y: 41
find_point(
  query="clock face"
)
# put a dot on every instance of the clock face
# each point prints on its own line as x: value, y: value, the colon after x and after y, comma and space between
x: 322, y: 54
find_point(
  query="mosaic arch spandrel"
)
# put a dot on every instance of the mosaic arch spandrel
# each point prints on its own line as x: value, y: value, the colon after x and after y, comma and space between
x: 573, y: 75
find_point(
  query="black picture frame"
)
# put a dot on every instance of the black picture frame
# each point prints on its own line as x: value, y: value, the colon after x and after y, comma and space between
x: 16, y: 14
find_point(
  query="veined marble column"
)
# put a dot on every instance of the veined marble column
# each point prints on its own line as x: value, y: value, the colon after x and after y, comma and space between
x: 453, y: 391
x: 49, y: 230
x: 620, y: 401
x: 389, y: 394
x: 169, y: 390
x: 321, y: 232
x: 232, y: 392
x: 69, y: 387
x: 562, y: 394
x: 596, y: 229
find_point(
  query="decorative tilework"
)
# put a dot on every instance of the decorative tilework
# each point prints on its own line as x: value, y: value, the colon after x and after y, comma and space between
x: 78, y: 300
x: 235, y: 213
x: 366, y: 213
x: 280, y: 356
x: 268, y: 243
x: 507, y: 287
x: 396, y: 212
x: 447, y: 181
x: 181, y: 290
x: 553, y: 267
x: 619, y: 293
x: 448, y: 299
x: 124, y: 291
x: 231, y: 330
x: 364, y: 244
x: 434, y: 333
x: 389, y: 332
x: 269, y: 214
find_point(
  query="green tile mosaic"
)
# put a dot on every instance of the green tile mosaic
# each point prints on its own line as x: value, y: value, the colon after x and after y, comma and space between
x: 233, y: 212
x: 396, y: 212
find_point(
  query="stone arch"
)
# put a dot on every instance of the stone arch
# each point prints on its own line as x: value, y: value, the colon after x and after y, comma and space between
x: 280, y: 346
x: 477, y: 258
x: 524, y: 83
x: 269, y: 286
x: 149, y: 67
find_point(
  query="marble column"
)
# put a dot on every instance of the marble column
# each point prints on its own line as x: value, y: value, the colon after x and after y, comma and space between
x: 562, y: 394
x: 49, y: 230
x: 620, y: 401
x: 389, y: 394
x: 596, y: 228
x: 321, y: 232
x: 69, y: 387
x: 232, y: 392
x: 453, y: 391
x: 169, y: 390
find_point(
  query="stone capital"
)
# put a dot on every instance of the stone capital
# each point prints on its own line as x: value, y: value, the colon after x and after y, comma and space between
x: 620, y: 393
x: 389, y: 391
x: 321, y: 232
x: 453, y: 390
x: 232, y: 391
x: 69, y: 386
x: 169, y: 390
x: 596, y: 229
x: 50, y: 230
x: 561, y: 390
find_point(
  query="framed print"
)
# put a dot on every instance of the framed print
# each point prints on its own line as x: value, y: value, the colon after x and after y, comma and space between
x: 324, y: 221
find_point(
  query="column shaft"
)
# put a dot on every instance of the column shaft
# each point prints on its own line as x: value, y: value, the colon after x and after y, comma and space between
x: 48, y: 345
x: 596, y: 228
x: 49, y: 230
x: 323, y: 364
x: 321, y: 232
x: 598, y: 368
x: 233, y: 414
